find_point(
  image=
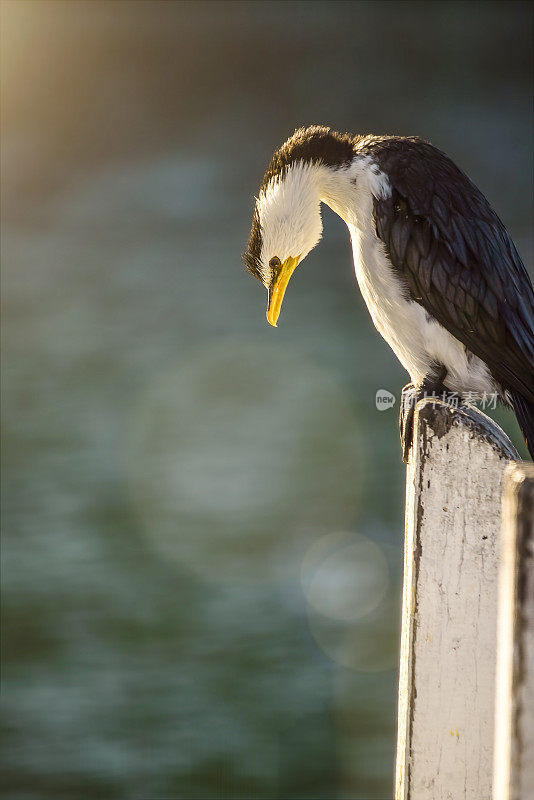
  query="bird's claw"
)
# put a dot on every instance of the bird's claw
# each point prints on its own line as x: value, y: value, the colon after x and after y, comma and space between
x: 406, y: 413
x: 434, y: 385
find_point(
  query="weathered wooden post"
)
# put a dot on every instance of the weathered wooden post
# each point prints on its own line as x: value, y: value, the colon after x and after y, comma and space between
x: 514, y: 700
x: 447, y: 666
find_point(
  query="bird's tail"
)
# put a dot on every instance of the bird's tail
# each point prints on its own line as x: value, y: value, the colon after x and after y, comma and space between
x: 524, y: 411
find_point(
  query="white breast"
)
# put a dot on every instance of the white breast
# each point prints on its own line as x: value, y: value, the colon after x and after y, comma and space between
x: 418, y: 341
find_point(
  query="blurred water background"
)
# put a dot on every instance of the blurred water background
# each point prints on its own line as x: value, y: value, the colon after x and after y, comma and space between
x: 202, y: 516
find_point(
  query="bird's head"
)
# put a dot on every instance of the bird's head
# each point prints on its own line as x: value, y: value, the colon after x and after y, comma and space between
x: 287, y: 217
x: 286, y: 226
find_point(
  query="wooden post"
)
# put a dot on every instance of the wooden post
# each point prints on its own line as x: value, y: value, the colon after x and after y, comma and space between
x: 448, y: 642
x: 514, y: 700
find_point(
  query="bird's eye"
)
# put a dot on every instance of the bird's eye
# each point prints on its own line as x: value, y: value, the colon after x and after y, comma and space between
x: 275, y: 263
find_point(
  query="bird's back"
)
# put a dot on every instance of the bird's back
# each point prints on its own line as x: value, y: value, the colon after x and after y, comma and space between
x: 457, y: 259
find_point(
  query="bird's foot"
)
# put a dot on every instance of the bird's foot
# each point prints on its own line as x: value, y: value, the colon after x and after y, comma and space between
x: 409, y: 397
x: 433, y: 386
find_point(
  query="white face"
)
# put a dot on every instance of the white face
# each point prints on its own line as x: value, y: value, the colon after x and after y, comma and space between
x: 290, y: 217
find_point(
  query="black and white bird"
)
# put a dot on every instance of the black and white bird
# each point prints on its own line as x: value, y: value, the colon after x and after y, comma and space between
x: 440, y: 275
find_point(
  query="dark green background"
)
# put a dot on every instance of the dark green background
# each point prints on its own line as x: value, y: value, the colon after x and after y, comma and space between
x: 203, y: 516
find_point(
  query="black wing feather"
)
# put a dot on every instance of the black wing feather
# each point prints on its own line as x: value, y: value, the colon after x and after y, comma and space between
x: 456, y: 257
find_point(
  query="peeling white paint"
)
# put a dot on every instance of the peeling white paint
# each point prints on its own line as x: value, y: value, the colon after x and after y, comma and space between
x: 448, y: 645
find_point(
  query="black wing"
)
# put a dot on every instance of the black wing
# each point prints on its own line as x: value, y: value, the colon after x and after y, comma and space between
x: 457, y: 259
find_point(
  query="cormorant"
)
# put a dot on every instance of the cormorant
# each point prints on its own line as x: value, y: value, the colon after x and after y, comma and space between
x: 440, y: 275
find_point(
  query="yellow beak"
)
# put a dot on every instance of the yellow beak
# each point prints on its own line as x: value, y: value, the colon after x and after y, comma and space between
x: 276, y: 294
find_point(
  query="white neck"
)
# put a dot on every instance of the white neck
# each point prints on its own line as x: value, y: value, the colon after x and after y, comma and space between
x: 289, y: 212
x: 347, y: 189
